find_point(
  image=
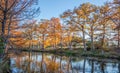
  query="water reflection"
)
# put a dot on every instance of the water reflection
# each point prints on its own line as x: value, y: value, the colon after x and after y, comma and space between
x: 48, y: 63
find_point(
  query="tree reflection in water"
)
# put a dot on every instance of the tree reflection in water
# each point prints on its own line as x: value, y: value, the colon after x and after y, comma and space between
x: 48, y: 63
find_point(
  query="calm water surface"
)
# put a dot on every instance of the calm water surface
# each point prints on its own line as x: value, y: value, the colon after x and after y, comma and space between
x: 47, y: 63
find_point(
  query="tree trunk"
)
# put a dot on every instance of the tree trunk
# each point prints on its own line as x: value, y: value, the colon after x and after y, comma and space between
x: 118, y: 38
x: 42, y: 63
x: 60, y: 64
x: 3, y: 29
x: 102, y: 67
x: 43, y: 42
x: 68, y: 64
x: 118, y: 67
x: 84, y: 65
x: 92, y: 39
x: 103, y: 39
x: 61, y: 42
x: 92, y: 66
x: 69, y: 41
x: 8, y: 34
x: 84, y: 43
x: 29, y: 58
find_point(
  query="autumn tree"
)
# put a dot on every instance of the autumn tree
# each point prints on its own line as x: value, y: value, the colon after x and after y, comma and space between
x: 104, y: 22
x: 115, y: 17
x: 14, y: 10
x: 43, y: 31
x: 29, y: 30
x: 61, y: 36
x: 54, y: 31
x: 92, y: 23
x: 16, y: 40
x: 79, y: 18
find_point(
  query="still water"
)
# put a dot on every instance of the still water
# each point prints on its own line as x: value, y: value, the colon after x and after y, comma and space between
x: 48, y: 63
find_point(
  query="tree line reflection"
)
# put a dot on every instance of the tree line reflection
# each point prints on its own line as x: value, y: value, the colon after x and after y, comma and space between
x: 47, y: 63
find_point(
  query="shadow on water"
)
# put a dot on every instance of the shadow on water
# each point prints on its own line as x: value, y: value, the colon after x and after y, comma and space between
x: 48, y: 63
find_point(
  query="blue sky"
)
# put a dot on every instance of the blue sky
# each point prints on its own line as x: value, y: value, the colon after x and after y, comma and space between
x: 53, y: 8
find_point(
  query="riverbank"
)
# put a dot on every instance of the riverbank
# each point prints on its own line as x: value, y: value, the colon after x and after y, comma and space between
x: 79, y: 52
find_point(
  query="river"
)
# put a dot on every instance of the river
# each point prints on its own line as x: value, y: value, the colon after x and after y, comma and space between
x: 27, y: 62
